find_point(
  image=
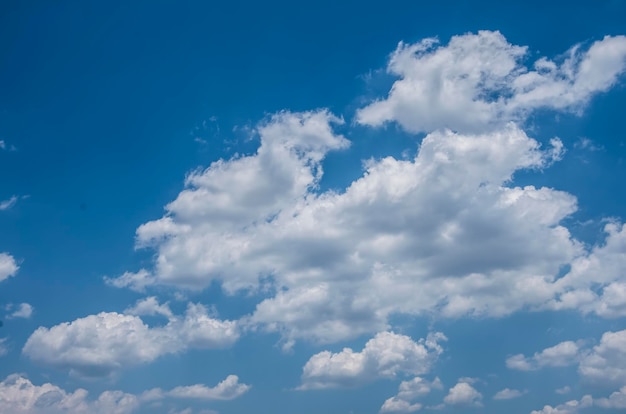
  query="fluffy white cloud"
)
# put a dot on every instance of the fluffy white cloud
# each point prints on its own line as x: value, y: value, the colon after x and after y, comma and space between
x: 408, y: 392
x: 463, y: 394
x: 508, y: 394
x: 570, y: 407
x: 24, y: 310
x: 606, y: 363
x: 446, y: 232
x: 100, y: 344
x: 477, y: 81
x: 8, y: 266
x: 563, y: 354
x: 19, y: 395
x: 386, y: 355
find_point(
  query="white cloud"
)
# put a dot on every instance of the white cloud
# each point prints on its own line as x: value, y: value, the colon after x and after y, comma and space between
x: 602, y: 364
x: 445, y: 233
x: 7, y: 204
x: 477, y: 81
x: 570, y: 407
x: 24, y: 310
x: 615, y: 400
x: 563, y: 390
x: 606, y: 362
x: 101, y: 344
x: 19, y: 395
x: 409, y: 391
x: 228, y: 389
x: 508, y: 394
x: 463, y: 394
x: 150, y: 306
x: 384, y: 356
x: 563, y: 354
x: 8, y: 266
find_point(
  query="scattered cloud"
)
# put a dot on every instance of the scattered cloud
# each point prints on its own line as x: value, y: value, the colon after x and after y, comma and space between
x: 4, y: 349
x: 228, y: 389
x: 606, y: 362
x: 615, y: 400
x: 563, y: 390
x: 602, y: 364
x: 8, y: 266
x: 477, y: 81
x: 385, y: 356
x: 408, y: 392
x: 508, y: 394
x: 570, y: 407
x: 463, y: 394
x: 24, y: 310
x: 7, y: 204
x: 98, y: 345
x: 20, y: 395
x: 563, y: 354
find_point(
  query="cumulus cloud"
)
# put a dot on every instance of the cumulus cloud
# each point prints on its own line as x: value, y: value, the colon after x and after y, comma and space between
x: 463, y: 394
x: 100, y: 344
x: 508, y: 394
x: 408, y: 392
x: 8, y: 266
x: 444, y: 233
x: 387, y: 355
x: 606, y: 362
x: 563, y: 354
x: 477, y: 81
x: 20, y: 395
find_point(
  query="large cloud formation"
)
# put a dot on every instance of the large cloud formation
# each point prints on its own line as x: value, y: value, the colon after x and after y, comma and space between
x: 446, y: 232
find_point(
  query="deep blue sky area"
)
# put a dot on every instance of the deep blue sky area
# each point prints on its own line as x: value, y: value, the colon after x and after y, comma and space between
x: 107, y: 106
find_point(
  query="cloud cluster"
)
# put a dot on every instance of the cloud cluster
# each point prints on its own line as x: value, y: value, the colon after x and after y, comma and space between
x: 477, y: 81
x: 387, y: 355
x: 408, y: 392
x: 19, y: 395
x: 98, y: 345
x: 602, y: 364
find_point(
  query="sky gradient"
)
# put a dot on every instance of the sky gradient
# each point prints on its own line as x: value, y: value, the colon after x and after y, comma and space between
x: 328, y: 208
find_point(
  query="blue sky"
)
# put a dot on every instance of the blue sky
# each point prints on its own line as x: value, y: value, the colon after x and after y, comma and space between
x: 337, y: 208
